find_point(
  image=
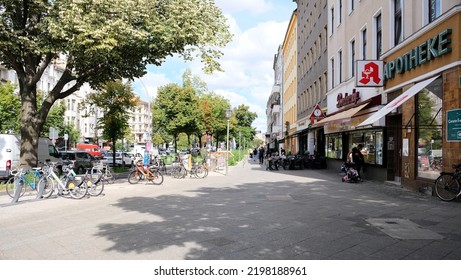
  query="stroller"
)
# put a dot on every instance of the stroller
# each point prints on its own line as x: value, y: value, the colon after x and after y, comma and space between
x: 352, y: 175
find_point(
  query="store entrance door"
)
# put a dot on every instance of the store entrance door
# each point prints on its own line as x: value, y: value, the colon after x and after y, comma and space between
x: 394, y: 148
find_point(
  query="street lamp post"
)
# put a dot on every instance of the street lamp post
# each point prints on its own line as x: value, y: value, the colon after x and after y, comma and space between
x: 228, y: 115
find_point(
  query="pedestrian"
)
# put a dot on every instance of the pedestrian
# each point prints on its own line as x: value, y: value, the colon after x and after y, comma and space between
x: 255, y: 154
x: 358, y: 160
x: 261, y: 155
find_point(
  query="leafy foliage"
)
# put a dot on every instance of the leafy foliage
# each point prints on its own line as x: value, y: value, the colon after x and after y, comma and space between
x: 97, y: 41
x: 10, y: 109
x: 116, y: 100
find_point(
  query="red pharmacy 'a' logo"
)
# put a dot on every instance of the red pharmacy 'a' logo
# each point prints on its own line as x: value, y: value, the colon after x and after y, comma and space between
x: 370, y: 72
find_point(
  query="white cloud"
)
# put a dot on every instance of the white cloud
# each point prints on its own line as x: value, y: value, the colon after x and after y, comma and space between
x: 248, y: 75
x: 147, y: 85
x: 252, y: 6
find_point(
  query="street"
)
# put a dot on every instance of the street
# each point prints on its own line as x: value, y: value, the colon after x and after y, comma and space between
x: 249, y: 214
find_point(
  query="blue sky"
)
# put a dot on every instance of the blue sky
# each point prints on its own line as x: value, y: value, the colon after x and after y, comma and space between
x: 259, y: 27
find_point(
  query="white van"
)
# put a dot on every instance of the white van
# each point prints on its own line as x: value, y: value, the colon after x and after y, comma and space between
x: 10, y: 152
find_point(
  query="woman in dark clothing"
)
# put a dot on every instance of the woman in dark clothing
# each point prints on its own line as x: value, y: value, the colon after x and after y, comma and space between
x: 358, y: 159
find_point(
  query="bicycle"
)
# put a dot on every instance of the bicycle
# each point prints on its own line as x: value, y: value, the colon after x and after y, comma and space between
x: 447, y: 185
x: 160, y: 163
x: 69, y: 184
x: 139, y: 172
x: 105, y: 169
x: 198, y: 170
x: 23, y: 178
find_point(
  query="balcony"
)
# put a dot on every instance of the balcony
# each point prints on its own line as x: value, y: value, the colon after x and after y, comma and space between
x: 275, y: 109
x: 276, y: 89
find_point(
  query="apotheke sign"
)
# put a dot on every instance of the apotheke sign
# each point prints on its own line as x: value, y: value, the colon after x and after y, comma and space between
x: 425, y: 52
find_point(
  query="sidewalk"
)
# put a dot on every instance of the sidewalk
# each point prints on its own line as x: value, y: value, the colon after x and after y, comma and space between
x: 250, y: 214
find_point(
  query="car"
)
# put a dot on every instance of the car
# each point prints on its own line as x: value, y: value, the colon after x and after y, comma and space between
x: 121, y: 159
x: 135, y: 157
x: 81, y: 160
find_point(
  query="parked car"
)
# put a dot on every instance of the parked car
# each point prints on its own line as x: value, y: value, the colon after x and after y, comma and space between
x: 81, y: 160
x: 121, y: 159
x: 92, y: 149
x: 136, y: 157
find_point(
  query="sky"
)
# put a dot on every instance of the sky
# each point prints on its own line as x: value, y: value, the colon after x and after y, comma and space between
x: 258, y: 28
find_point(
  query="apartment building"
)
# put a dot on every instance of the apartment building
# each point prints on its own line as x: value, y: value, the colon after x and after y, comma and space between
x: 312, y: 45
x: 394, y: 86
x: 289, y: 89
x: 274, y: 107
x: 84, y: 120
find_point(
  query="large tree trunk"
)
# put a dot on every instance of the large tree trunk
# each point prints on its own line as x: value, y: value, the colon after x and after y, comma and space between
x: 31, y: 125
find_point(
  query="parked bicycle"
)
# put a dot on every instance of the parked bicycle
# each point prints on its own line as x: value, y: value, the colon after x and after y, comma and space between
x: 199, y: 170
x: 160, y: 163
x: 69, y: 184
x: 105, y: 169
x: 141, y: 172
x: 23, y: 178
x: 447, y: 185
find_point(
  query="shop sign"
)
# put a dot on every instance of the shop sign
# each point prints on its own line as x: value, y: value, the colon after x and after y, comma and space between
x: 454, y: 125
x: 370, y: 73
x: 347, y: 99
x: 423, y: 53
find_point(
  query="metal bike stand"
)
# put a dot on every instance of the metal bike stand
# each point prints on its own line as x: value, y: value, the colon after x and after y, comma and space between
x: 17, y: 192
x: 40, y: 190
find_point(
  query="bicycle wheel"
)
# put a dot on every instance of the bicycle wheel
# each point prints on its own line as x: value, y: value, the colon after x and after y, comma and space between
x: 95, y: 189
x: 48, y: 186
x: 201, y: 172
x: 176, y: 173
x: 133, y: 178
x: 446, y: 187
x: 11, y: 187
x: 109, y: 177
x: 157, y: 178
x: 77, y: 189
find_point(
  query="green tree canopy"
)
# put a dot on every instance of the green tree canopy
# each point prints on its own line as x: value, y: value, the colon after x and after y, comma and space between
x: 175, y: 110
x: 10, y: 109
x: 117, y: 100
x: 97, y: 41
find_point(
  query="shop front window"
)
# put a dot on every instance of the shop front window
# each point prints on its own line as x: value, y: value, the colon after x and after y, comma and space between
x: 334, y: 147
x: 372, y: 142
x: 429, y: 130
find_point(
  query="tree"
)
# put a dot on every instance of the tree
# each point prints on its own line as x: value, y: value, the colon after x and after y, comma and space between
x: 10, y: 109
x: 116, y: 100
x: 245, y: 119
x: 97, y: 41
x: 175, y: 110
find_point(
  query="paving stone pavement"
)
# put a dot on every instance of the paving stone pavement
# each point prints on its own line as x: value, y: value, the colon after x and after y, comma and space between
x: 249, y: 214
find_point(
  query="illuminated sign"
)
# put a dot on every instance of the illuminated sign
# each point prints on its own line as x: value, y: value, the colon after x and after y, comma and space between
x: 370, y: 73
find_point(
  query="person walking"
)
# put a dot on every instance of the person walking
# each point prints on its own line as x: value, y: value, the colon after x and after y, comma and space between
x: 261, y: 155
x: 357, y: 159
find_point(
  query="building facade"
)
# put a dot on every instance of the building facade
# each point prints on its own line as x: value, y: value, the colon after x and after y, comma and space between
x: 85, y: 120
x: 312, y: 68
x: 289, y: 89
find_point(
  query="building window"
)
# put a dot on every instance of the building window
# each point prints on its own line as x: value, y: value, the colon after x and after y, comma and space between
x: 352, y: 66
x: 434, y: 10
x: 372, y: 141
x: 340, y: 66
x: 332, y: 73
x: 340, y: 12
x: 429, y: 132
x: 379, y: 36
x: 332, y: 20
x: 334, y: 146
x: 364, y: 44
x: 397, y: 22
